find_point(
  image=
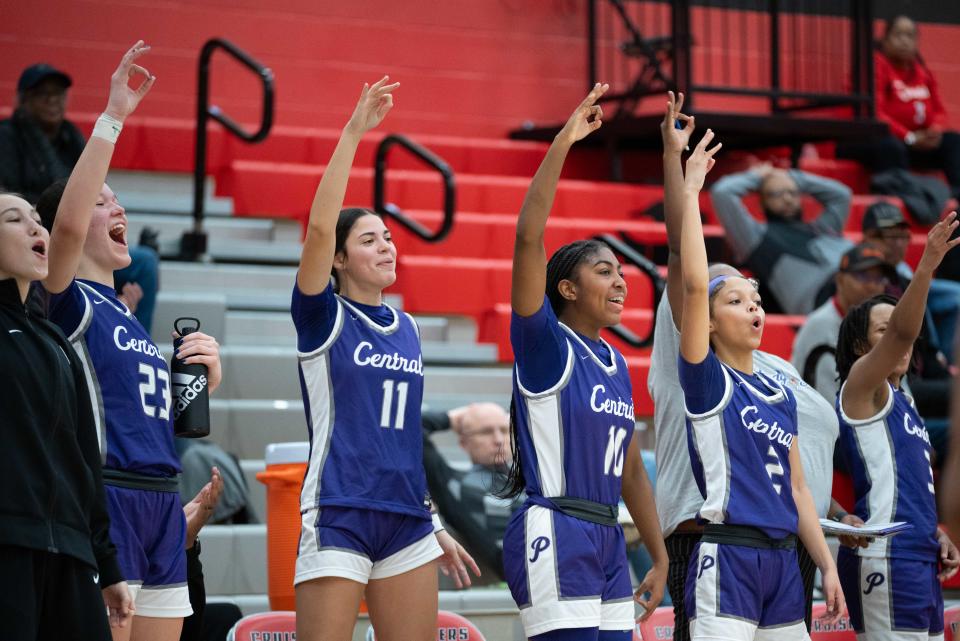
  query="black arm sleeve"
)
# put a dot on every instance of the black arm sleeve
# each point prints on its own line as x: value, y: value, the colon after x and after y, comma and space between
x: 435, y: 422
x: 446, y: 489
x: 103, y: 548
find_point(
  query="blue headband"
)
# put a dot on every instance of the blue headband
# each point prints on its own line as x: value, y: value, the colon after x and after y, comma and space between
x: 715, y: 284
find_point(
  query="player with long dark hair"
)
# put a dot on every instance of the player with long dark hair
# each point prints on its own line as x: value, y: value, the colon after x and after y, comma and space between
x: 573, y: 425
x: 367, y: 527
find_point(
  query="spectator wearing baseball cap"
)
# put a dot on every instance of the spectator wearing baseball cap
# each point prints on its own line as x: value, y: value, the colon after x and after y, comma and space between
x: 885, y: 225
x: 38, y: 145
x: 864, y: 273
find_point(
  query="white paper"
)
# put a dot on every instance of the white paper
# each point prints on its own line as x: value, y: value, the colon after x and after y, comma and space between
x: 877, y: 530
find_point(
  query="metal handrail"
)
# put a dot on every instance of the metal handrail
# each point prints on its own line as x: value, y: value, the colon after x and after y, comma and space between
x: 389, y: 209
x: 645, y: 265
x: 194, y: 243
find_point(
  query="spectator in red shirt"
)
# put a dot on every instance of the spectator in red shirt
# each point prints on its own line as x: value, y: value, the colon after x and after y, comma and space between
x: 908, y: 100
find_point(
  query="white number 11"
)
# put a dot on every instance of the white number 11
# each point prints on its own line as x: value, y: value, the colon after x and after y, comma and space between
x: 388, y: 403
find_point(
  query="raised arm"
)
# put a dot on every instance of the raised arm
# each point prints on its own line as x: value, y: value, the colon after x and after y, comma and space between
x: 69, y: 231
x: 695, y: 324
x: 870, y: 371
x: 316, y: 260
x: 674, y: 142
x: 743, y: 231
x: 529, y: 255
x: 833, y: 195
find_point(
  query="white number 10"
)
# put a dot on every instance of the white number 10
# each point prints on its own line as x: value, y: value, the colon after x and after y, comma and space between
x: 613, y: 457
x: 388, y: 403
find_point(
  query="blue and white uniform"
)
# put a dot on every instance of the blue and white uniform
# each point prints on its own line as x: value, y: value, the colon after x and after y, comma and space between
x: 130, y: 391
x: 574, y: 420
x: 740, y: 428
x: 891, y: 586
x: 364, y: 505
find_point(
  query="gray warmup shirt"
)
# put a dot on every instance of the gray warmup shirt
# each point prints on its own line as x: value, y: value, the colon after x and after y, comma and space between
x: 793, y: 258
x: 678, y: 498
x: 815, y: 350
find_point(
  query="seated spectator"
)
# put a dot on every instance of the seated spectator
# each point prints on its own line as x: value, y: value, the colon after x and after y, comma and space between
x: 466, y: 498
x: 136, y: 284
x: 884, y: 224
x: 791, y: 258
x: 863, y: 274
x: 38, y: 145
x: 908, y: 100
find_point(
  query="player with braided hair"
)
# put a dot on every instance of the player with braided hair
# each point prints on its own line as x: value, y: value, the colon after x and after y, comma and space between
x: 572, y: 423
x: 892, y: 585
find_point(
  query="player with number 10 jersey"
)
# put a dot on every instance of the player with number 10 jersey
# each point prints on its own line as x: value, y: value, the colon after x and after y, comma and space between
x: 572, y: 423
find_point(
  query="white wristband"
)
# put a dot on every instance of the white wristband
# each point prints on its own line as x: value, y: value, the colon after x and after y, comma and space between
x: 437, y: 525
x: 108, y: 128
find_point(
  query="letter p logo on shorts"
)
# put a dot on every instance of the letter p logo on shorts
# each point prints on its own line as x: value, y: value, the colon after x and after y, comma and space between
x: 705, y: 564
x: 539, y: 544
x: 873, y: 580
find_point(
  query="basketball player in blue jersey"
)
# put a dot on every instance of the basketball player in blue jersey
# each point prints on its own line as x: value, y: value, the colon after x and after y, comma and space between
x: 129, y: 381
x: 364, y: 504
x: 892, y: 585
x: 573, y: 423
x: 743, y: 582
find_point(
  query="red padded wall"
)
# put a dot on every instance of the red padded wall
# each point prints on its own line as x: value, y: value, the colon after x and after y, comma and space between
x: 468, y: 67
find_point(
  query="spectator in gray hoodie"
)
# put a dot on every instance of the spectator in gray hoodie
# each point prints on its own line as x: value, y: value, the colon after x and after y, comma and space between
x: 792, y: 258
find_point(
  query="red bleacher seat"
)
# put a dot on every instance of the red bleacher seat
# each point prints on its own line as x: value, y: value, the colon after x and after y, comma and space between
x: 450, y: 627
x: 843, y: 490
x: 659, y: 627
x: 850, y: 173
x: 951, y: 623
x: 840, y: 631
x: 264, y: 625
x: 286, y: 190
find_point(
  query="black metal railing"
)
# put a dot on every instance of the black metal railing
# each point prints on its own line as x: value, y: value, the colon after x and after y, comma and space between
x: 389, y: 209
x: 649, y: 269
x: 788, y: 54
x: 193, y: 244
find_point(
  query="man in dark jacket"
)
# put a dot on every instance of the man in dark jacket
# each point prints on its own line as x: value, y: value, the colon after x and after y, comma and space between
x: 465, y: 496
x: 38, y: 145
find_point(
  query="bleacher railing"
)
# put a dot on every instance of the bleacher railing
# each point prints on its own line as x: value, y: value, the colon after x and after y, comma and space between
x: 384, y: 208
x: 789, y: 55
x: 658, y: 285
x: 193, y: 244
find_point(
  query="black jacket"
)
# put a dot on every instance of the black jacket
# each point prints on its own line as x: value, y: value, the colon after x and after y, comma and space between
x: 52, y: 496
x: 466, y: 498
x: 30, y: 161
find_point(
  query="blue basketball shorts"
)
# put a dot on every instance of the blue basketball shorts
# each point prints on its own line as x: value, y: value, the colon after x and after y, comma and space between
x: 891, y: 598
x: 361, y: 545
x: 743, y: 593
x: 565, y: 572
x: 149, y: 530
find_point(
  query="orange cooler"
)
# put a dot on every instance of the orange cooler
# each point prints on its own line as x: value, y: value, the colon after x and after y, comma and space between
x: 286, y: 465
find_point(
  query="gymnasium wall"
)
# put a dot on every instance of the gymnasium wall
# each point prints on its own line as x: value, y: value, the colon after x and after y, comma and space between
x: 467, y: 67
